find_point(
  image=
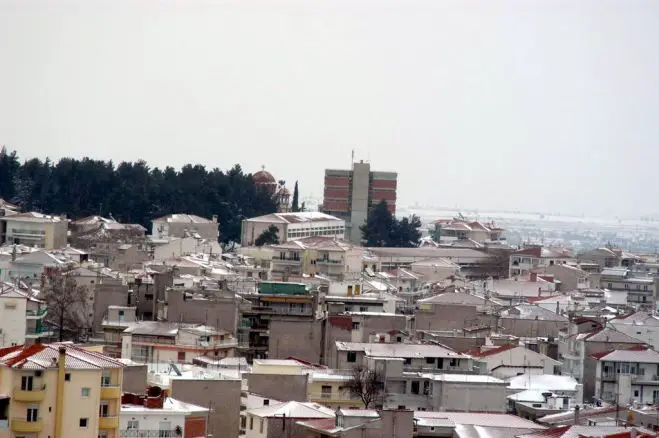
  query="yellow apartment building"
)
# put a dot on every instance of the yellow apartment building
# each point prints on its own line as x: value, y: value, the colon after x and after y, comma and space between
x: 58, y: 391
x: 327, y: 387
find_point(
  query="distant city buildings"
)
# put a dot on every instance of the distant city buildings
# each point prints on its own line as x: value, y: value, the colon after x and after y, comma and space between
x: 350, y: 194
x: 293, y: 226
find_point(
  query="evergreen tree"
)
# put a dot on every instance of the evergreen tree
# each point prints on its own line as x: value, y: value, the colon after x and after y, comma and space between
x: 132, y: 192
x: 268, y: 237
x: 379, y: 226
x: 295, y: 207
x: 382, y: 229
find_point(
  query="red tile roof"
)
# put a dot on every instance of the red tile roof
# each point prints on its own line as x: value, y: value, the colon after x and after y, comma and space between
x: 493, y: 351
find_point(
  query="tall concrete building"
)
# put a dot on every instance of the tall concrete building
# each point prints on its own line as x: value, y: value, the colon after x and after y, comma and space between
x: 350, y: 194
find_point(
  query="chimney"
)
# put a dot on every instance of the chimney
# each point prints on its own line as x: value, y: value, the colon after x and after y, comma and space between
x: 576, y: 415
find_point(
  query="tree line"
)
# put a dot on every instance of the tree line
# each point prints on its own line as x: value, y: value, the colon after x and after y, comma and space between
x: 132, y: 192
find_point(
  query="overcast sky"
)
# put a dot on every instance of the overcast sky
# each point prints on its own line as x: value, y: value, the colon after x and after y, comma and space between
x: 532, y: 105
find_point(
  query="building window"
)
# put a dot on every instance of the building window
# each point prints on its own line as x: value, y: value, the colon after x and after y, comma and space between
x: 609, y: 286
x: 636, y: 393
x: 104, y: 411
x: 415, y: 387
x: 251, y: 423
x: 32, y: 415
x: 363, y: 309
x: 352, y: 356
x: 181, y: 356
x: 355, y: 325
x: 133, y: 425
x: 326, y: 391
x: 430, y: 360
x: 67, y: 377
x: 266, y: 402
x: 408, y: 361
x: 84, y: 422
x: 84, y: 392
x: 106, y: 380
x: 261, y: 426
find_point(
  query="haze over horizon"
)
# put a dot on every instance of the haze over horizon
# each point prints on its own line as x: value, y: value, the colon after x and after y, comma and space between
x: 547, y: 106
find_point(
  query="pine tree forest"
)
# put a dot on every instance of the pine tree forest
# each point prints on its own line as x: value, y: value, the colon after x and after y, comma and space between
x: 131, y: 192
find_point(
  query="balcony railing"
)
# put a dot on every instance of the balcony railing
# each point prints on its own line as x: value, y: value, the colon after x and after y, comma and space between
x: 34, y: 395
x: 22, y: 425
x: 140, y: 433
x: 36, y: 314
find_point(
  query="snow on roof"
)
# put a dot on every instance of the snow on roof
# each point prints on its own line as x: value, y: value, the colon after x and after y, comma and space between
x: 529, y: 395
x: 183, y: 218
x: 465, y: 378
x: 293, y: 409
x: 33, y: 217
x: 631, y: 355
x: 297, y: 217
x: 170, y: 406
x: 547, y: 382
x: 479, y: 419
x: 44, y: 356
x: 398, y: 350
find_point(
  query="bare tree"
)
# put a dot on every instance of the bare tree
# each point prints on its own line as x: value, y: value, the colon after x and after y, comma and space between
x: 68, y: 305
x: 367, y: 384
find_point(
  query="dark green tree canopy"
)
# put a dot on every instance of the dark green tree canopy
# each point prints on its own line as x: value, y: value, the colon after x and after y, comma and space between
x: 295, y: 205
x: 132, y: 192
x: 268, y: 237
x: 384, y: 230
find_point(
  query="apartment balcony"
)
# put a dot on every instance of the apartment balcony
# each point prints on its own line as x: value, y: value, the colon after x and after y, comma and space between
x: 333, y: 398
x: 609, y: 377
x: 329, y: 262
x: 38, y: 332
x: 36, y: 314
x: 108, y: 422
x: 281, y: 310
x: 154, y: 433
x: 35, y: 395
x: 110, y: 392
x: 652, y: 379
x: 291, y: 262
x: 21, y: 425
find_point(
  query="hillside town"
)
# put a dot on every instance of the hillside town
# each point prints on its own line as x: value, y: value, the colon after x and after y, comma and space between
x: 301, y: 329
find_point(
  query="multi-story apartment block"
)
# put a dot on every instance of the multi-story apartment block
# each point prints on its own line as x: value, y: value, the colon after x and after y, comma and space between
x: 450, y: 230
x: 36, y: 229
x: 639, y: 288
x: 185, y: 225
x: 21, y: 317
x: 59, y: 390
x: 350, y: 194
x: 329, y: 257
x: 293, y: 226
x: 628, y: 376
x: 277, y: 307
x: 526, y: 260
x: 156, y: 341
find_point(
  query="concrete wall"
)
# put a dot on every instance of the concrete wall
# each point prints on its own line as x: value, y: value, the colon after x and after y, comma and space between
x: 134, y: 379
x: 282, y: 387
x: 469, y: 397
x: 12, y: 321
x: 252, y: 230
x: 302, y: 339
x: 361, y: 175
x: 446, y: 317
x: 531, y: 327
x: 223, y: 398
x: 108, y: 293
x: 221, y: 313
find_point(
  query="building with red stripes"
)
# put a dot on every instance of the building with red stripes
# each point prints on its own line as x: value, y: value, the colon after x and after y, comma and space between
x: 350, y: 194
